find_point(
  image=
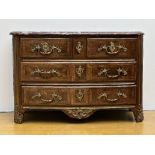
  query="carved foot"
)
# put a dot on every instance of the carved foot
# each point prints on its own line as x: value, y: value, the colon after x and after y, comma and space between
x: 138, y: 114
x: 18, y: 117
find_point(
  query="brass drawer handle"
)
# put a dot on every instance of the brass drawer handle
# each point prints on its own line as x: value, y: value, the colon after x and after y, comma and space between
x: 45, y: 74
x: 55, y: 98
x: 106, y: 73
x: 79, y: 47
x: 79, y: 71
x: 105, y: 96
x: 112, y: 49
x: 45, y: 48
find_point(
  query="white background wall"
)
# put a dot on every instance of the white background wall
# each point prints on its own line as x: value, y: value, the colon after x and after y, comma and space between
x: 6, y: 68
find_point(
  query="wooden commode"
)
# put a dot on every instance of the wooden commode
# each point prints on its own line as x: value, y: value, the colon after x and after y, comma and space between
x: 77, y: 72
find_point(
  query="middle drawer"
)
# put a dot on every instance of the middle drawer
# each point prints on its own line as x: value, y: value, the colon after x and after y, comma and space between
x: 77, y: 71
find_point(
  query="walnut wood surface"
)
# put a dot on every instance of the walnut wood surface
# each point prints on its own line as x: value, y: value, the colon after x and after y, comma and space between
x: 93, y: 44
x: 76, y: 95
x: 64, y: 44
x: 96, y: 70
x: 77, y: 72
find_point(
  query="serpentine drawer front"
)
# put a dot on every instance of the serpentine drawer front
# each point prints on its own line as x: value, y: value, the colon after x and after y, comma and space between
x: 45, y: 47
x: 88, y: 95
x: 112, y: 48
x: 77, y: 73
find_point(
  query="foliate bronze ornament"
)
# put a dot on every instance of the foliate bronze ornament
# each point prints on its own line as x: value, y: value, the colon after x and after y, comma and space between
x: 119, y: 95
x: 79, y: 47
x: 138, y: 113
x: 79, y: 71
x: 79, y: 94
x: 106, y: 73
x: 18, y: 114
x: 45, y: 49
x: 45, y: 74
x: 112, y: 49
x: 55, y: 98
x: 79, y: 113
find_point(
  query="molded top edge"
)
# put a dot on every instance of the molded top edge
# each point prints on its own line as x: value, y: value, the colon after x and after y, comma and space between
x: 74, y: 33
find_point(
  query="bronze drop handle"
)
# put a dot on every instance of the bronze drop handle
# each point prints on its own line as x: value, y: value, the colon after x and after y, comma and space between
x: 118, y: 96
x: 106, y: 73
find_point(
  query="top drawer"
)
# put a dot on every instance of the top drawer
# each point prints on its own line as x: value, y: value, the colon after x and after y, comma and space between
x: 112, y: 47
x: 78, y: 48
x: 46, y: 48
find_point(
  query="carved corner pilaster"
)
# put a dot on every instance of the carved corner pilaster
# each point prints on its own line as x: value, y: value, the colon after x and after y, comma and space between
x: 79, y: 113
x: 18, y: 115
x: 138, y: 114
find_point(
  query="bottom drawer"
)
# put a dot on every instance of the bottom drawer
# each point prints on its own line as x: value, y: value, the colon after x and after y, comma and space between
x: 78, y: 95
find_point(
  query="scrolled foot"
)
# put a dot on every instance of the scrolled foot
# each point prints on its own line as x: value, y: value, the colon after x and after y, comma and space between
x: 18, y: 117
x: 138, y: 114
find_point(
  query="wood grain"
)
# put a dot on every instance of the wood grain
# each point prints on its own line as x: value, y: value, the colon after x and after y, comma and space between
x: 77, y: 72
x: 63, y: 44
x: 93, y: 44
x: 102, y: 123
x: 79, y: 95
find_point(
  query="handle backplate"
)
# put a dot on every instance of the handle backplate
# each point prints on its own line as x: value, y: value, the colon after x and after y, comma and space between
x: 106, y: 97
x: 45, y: 48
x: 107, y: 73
x: 112, y: 49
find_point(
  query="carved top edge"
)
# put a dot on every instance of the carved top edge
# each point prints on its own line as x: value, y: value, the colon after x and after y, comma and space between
x: 74, y: 33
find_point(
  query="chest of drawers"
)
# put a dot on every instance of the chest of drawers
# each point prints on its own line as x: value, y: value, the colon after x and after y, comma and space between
x: 77, y: 73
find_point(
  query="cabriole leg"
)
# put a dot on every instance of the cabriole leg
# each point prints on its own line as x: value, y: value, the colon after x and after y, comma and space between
x: 138, y: 114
